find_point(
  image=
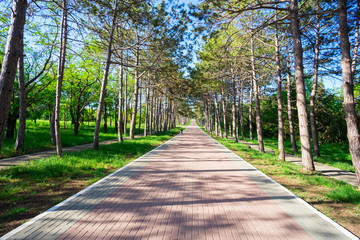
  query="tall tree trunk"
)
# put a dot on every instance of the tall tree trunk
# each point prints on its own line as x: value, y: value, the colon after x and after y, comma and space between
x: 251, y: 111
x: 77, y: 120
x: 314, y: 90
x: 61, y: 68
x: 356, y: 43
x: 11, y: 124
x: 140, y: 101
x: 257, y: 99
x: 52, y: 126
x: 105, y: 80
x: 306, y: 155
x: 10, y: 60
x: 233, y: 110
x: 241, y: 107
x: 120, y: 113
x: 105, y: 114
x: 348, y: 88
x: 223, y: 101
x: 20, y: 137
x: 279, y: 96
x: 152, y: 113
x: 126, y: 104
x: 217, y: 116
x: 147, y: 108
x: 136, y: 95
x: 289, y: 107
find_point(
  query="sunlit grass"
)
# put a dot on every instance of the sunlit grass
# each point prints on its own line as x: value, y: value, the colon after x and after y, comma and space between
x: 38, y: 138
x: 336, y: 154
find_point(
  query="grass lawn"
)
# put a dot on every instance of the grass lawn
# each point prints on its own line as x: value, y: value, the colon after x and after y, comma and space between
x: 336, y: 199
x: 336, y: 155
x: 27, y: 190
x: 37, y: 137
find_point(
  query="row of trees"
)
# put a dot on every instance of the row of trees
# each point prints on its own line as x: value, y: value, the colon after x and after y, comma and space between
x: 68, y: 54
x: 254, y: 46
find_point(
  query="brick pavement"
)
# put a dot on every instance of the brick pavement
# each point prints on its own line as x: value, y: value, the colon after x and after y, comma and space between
x: 189, y: 188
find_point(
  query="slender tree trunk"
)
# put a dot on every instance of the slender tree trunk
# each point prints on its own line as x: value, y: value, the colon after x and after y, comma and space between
x: 314, y: 90
x: 348, y: 88
x: 105, y: 80
x: 217, y: 115
x: 140, y: 101
x: 356, y: 43
x: 77, y: 120
x: 10, y: 60
x: 233, y: 110
x: 126, y: 104
x: 279, y: 97
x: 120, y: 113
x: 289, y: 107
x: 251, y: 111
x: 20, y: 137
x: 61, y: 68
x: 105, y: 115
x: 241, y: 114
x: 223, y: 101
x: 52, y: 126
x: 136, y: 95
x: 257, y: 100
x: 147, y: 108
x: 300, y: 89
x: 152, y: 113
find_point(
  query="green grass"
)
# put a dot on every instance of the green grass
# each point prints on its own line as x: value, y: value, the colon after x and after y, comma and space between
x: 43, y: 178
x: 337, y: 191
x: 336, y: 155
x: 37, y: 137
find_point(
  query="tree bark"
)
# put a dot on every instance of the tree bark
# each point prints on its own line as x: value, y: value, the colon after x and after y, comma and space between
x: 279, y: 96
x: 356, y: 43
x: 9, y: 65
x: 348, y: 88
x: 105, y: 80
x: 61, y: 68
x: 105, y: 114
x: 306, y: 155
x: 140, y: 101
x: 233, y: 110
x: 257, y: 99
x: 217, y: 115
x: 126, y: 104
x: 314, y: 90
x: 289, y: 107
x: 136, y: 95
x: 251, y: 111
x: 223, y: 101
x: 147, y: 120
x: 241, y: 105
x: 52, y: 126
x: 120, y: 113
x: 20, y: 137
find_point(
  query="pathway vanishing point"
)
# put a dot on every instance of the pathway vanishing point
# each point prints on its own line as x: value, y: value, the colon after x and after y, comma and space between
x: 191, y: 187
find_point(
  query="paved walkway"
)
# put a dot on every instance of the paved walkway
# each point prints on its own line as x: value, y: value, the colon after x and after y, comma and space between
x: 188, y: 188
x: 6, y: 162
x: 333, y: 172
